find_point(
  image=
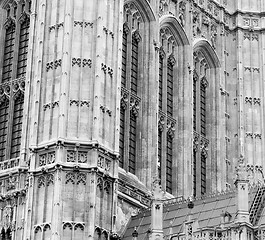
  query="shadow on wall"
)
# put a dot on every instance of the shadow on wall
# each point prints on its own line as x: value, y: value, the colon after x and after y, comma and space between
x: 124, y: 212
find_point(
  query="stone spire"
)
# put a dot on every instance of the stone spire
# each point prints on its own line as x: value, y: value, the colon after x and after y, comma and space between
x: 157, y: 211
x: 241, y: 184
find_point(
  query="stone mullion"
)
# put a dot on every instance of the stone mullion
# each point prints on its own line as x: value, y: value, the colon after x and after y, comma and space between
x: 27, y: 98
x: 164, y: 132
x: 198, y: 130
x: 81, y: 74
x: 185, y: 122
x: 66, y: 69
x: 16, y: 46
x: 52, y: 100
x: 117, y: 74
x: 259, y: 92
x: 262, y: 103
x: 2, y: 40
x: 92, y: 197
x: 252, y: 90
x: 40, y: 28
x: 9, y: 123
x: 127, y: 111
x: 222, y: 120
x: 29, y: 222
x: 240, y: 77
x: 57, y: 215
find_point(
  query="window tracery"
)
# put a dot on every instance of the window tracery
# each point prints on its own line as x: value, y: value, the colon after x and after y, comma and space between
x: 200, y: 87
x: 167, y: 92
x: 130, y: 102
x: 12, y: 77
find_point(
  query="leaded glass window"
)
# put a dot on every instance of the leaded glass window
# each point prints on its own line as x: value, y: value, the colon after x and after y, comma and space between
x: 201, y: 142
x: 167, y: 93
x: 12, y: 77
x: 130, y: 100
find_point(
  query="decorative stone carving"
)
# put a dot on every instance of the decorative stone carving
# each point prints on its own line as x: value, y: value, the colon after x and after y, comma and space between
x: 11, y: 182
x: 126, y: 28
x: 134, y: 106
x: 56, y: 26
x: 75, y: 178
x: 241, y: 169
x: 204, y: 82
x: 82, y: 157
x: 107, y: 187
x: 83, y: 24
x: 171, y: 128
x: 196, y: 141
x: 107, y: 69
x: 87, y: 63
x: 163, y: 7
x: 248, y: 100
x: 10, y: 23
x: 105, y: 110
x: 182, y: 13
x: 82, y: 62
x: 24, y: 18
x: 41, y: 181
x: 161, y: 123
x: 81, y: 103
x: 76, y: 61
x: 214, y: 35
x: 171, y: 59
x: 107, y: 31
x: 50, y: 105
x: 47, y: 158
x: 100, y: 183
x: 256, y: 101
x: 204, y: 147
x: 196, y: 24
x: 136, y: 35
x: 100, y: 162
x: 124, y: 100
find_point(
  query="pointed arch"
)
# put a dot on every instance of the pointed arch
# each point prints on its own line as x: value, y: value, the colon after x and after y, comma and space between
x: 177, y: 30
x: 205, y: 47
x: 143, y: 6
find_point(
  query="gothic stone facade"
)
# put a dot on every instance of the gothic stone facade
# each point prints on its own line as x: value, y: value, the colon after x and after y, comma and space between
x: 97, y: 97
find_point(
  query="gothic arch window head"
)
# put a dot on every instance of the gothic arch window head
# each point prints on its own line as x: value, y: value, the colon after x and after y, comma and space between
x: 204, y: 115
x: 136, y: 20
x: 167, y: 112
x: 13, y: 65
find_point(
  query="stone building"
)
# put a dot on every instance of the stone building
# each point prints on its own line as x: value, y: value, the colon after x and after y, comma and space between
x: 100, y: 97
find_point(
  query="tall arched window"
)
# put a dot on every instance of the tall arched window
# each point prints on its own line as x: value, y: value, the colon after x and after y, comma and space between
x: 200, y: 152
x: 167, y: 112
x: 8, y: 51
x: 12, y: 81
x: 131, y: 43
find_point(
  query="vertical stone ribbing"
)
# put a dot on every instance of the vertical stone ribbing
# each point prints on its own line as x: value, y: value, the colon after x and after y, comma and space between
x: 240, y: 77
